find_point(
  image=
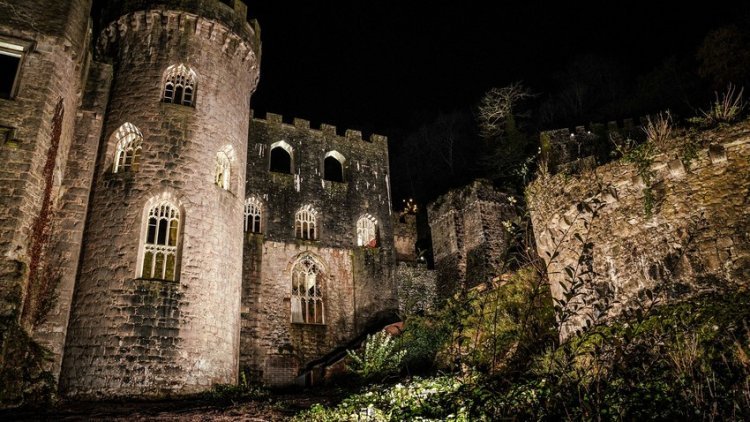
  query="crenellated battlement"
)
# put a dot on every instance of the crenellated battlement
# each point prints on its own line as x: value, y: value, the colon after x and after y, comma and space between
x: 243, y: 44
x: 323, y: 129
x: 570, y: 147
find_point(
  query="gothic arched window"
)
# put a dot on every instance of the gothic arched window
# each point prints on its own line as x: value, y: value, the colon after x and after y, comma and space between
x: 366, y: 235
x: 307, y: 298
x: 179, y: 85
x: 161, y: 242
x: 333, y: 166
x: 281, y: 157
x: 128, y: 150
x: 305, y: 223
x: 253, y: 215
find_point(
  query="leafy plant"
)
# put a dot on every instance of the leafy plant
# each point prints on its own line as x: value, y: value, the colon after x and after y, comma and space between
x: 380, y: 359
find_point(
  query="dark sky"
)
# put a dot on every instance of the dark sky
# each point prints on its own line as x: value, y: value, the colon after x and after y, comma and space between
x: 383, y: 65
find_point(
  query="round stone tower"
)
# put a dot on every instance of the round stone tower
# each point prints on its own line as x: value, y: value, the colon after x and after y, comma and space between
x: 156, y: 308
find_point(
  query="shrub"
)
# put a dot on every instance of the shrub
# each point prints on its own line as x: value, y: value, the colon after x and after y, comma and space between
x: 380, y: 358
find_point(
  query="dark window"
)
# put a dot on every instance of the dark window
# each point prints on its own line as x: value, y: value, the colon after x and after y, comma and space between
x: 281, y: 161
x: 333, y: 170
x: 8, y: 72
x: 6, y: 134
x: 229, y: 3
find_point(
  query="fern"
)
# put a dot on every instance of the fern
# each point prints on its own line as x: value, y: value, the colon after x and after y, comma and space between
x: 380, y: 358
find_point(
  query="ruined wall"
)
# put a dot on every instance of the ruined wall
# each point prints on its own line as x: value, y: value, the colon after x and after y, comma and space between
x: 131, y: 336
x: 405, y: 237
x: 695, y: 238
x: 276, y: 348
x: 360, y: 280
x: 469, y: 240
x: 41, y: 117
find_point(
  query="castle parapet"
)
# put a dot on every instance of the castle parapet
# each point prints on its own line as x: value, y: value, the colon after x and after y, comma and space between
x: 323, y: 129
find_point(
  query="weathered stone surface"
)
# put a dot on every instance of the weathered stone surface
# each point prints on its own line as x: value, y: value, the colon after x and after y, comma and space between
x: 358, y: 283
x: 33, y: 178
x: 469, y: 240
x: 129, y: 336
x: 67, y: 217
x: 695, y: 239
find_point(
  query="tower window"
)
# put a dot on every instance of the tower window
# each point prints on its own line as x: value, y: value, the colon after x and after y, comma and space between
x: 161, y: 242
x: 10, y: 64
x: 333, y: 166
x: 179, y: 85
x: 253, y: 215
x: 305, y: 223
x: 307, y: 298
x: 229, y: 3
x: 366, y: 231
x: 223, y: 170
x: 281, y: 157
x: 128, y: 151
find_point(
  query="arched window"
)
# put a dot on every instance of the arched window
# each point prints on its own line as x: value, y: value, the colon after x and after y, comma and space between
x: 281, y: 157
x: 307, y: 298
x: 223, y: 170
x: 333, y: 166
x: 366, y: 235
x: 160, y: 245
x: 253, y: 215
x: 305, y: 223
x: 128, y: 151
x: 179, y: 85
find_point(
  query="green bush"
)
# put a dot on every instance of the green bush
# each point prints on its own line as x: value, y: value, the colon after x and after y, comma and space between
x: 422, y: 339
x: 380, y: 358
x: 682, y: 361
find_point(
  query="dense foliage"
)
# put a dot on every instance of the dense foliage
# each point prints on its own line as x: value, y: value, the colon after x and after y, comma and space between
x: 685, y: 361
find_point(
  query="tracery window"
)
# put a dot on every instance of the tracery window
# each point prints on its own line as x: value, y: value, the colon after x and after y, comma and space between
x: 307, y: 298
x: 253, y: 215
x: 128, y: 151
x: 305, y: 223
x: 366, y: 231
x: 179, y: 85
x: 161, y: 242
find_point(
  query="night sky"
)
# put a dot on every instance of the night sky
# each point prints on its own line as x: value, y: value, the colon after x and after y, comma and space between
x: 384, y: 66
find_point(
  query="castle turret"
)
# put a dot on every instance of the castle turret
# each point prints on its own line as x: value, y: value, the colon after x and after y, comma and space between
x: 157, y: 303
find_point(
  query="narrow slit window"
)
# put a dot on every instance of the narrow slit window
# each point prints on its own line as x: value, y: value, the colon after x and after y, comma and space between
x: 223, y: 170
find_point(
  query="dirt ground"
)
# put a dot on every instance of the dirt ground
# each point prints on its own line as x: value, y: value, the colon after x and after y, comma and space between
x: 276, y: 408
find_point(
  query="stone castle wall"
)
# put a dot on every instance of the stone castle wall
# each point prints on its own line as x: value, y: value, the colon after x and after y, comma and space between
x: 697, y: 236
x: 127, y: 335
x: 469, y: 240
x: 43, y: 130
x: 359, y: 280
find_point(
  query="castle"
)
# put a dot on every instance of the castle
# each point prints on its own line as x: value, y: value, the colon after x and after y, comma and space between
x: 157, y: 238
